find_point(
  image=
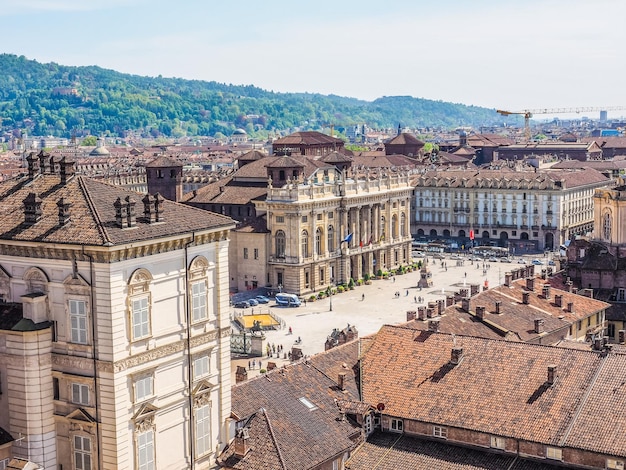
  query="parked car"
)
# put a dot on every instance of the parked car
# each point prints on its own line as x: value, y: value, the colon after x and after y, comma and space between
x: 505, y: 260
x: 262, y: 299
x: 253, y: 302
x: 242, y: 304
x: 551, y: 263
x: 438, y: 256
x: 455, y: 256
x: 521, y: 261
x: 493, y: 259
x: 537, y: 262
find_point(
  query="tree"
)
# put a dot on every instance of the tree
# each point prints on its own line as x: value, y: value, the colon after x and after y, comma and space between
x: 89, y: 141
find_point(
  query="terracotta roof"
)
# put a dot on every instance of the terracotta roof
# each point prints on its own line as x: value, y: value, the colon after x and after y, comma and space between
x: 379, y: 160
x: 307, y: 138
x: 283, y: 162
x: 505, y: 383
x: 336, y: 157
x: 252, y: 155
x: 164, y: 161
x: 404, y: 139
x: 92, y: 213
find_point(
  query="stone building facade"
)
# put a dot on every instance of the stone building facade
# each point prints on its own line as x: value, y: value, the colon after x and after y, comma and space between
x: 114, y: 337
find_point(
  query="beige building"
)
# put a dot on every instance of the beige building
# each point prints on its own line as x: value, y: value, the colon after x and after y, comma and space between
x: 114, y: 337
x: 520, y: 208
x: 610, y: 215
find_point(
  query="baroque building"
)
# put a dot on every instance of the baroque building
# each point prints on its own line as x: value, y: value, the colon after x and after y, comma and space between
x: 524, y: 209
x: 114, y: 337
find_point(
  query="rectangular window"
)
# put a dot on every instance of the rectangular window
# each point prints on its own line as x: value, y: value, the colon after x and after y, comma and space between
x: 440, y: 431
x: 554, y: 453
x: 141, y: 320
x: 256, y: 253
x: 497, y: 442
x: 55, y: 389
x: 612, y: 464
x: 201, y: 367
x: 203, y: 430
x: 245, y: 253
x: 82, y: 453
x: 330, y: 215
x: 80, y: 394
x: 319, y: 216
x: 78, y: 321
x: 198, y: 301
x: 280, y: 219
x: 145, y: 450
x: 397, y: 425
x: 143, y: 388
x: 305, y: 219
x: 4, y: 464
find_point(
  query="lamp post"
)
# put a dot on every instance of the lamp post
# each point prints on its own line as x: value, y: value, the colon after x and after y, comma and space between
x: 330, y: 294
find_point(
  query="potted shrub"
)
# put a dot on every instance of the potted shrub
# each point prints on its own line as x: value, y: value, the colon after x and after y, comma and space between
x: 366, y: 277
x: 340, y: 290
x: 312, y: 298
x: 359, y: 282
x: 351, y: 284
x: 379, y: 273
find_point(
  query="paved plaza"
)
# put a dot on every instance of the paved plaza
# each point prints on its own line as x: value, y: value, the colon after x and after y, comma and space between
x: 368, y: 307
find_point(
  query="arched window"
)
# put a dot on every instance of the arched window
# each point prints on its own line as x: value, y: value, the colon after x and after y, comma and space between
x: 304, y: 243
x: 280, y: 244
x: 403, y: 224
x: 382, y: 228
x: 318, y: 241
x: 394, y: 226
x: 331, y: 238
x: 606, y: 226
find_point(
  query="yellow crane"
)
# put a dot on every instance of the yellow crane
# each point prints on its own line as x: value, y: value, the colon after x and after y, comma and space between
x: 528, y: 113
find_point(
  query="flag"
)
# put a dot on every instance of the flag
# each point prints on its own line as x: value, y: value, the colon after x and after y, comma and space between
x: 348, y: 238
x: 361, y: 243
x: 471, y: 234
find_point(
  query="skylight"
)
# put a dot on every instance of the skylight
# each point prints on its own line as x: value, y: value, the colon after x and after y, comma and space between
x: 308, y: 404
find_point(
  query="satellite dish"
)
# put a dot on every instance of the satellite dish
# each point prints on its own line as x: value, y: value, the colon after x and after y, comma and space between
x: 380, y: 406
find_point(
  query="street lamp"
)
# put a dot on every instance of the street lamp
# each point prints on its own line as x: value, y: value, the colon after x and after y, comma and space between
x: 330, y: 294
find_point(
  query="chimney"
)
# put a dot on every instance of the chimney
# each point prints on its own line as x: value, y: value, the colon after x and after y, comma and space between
x: 498, y: 304
x: 35, y: 307
x: 433, y: 325
x: 441, y: 305
x: 545, y: 290
x: 507, y: 279
x: 525, y: 297
x: 130, y: 211
x: 569, y: 286
x: 64, y: 212
x: 66, y: 170
x: 480, y: 312
x: 32, y: 209
x: 465, y: 304
x: 43, y: 161
x: 411, y: 315
x: 241, y: 374
x: 543, y: 274
x: 456, y: 355
x: 538, y: 325
x: 242, y: 445
x: 421, y: 313
x: 33, y: 165
x: 120, y: 213
x: 530, y: 283
x: 449, y: 300
x: 570, y: 307
x: 551, y: 374
x: 148, y: 210
x: 341, y: 381
x: 558, y: 300
x: 597, y: 343
x: 621, y: 336
x: 158, y: 207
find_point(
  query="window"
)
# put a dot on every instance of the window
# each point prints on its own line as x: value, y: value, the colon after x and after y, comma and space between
x: 82, y: 453
x: 280, y: 219
x: 4, y: 464
x: 304, y: 242
x: 280, y: 244
x: 55, y: 389
x: 306, y: 402
x: 440, y: 431
x: 200, y: 367
x: 198, y: 301
x: 397, y: 425
x: 305, y: 219
x: 610, y: 463
x: 145, y: 450
x: 78, y: 321
x: 141, y: 320
x: 80, y: 394
x: 497, y: 442
x: 318, y: 241
x: 203, y: 430
x: 554, y: 453
x: 331, y: 238
x: 319, y: 216
x: 245, y: 253
x: 256, y: 253
x: 143, y: 388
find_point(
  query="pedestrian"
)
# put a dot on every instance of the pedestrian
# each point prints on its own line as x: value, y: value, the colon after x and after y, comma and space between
x: 362, y: 297
x: 414, y: 299
x: 254, y: 364
x: 305, y: 302
x: 249, y: 365
x: 290, y: 331
x: 260, y: 366
x: 394, y: 279
x: 407, y: 293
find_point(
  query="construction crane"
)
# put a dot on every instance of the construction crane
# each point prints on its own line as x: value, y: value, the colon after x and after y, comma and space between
x: 528, y: 113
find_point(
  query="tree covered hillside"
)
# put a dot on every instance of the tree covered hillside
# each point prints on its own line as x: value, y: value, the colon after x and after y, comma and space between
x: 52, y: 99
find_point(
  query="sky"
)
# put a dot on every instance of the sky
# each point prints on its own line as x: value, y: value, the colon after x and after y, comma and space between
x: 504, y: 54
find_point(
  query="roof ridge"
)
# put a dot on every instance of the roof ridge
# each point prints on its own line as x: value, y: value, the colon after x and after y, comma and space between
x: 271, y: 430
x: 92, y: 207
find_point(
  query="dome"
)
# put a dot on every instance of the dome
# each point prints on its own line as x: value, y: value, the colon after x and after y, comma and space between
x: 99, y: 151
x: 239, y: 132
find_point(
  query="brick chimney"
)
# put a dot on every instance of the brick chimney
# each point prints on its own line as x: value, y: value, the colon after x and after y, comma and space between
x: 545, y: 290
x: 433, y: 325
x: 465, y: 304
x: 525, y: 297
x: 538, y: 325
x: 551, y: 374
x: 33, y: 165
x: 480, y: 312
x: 411, y: 315
x: 241, y: 374
x: 242, y: 445
x: 530, y: 283
x: 64, y: 212
x: 32, y: 209
x: 456, y: 356
x: 66, y: 170
x: 130, y: 211
x: 507, y: 279
x: 498, y: 304
x: 120, y: 213
x: 558, y: 300
x: 421, y: 313
x: 544, y: 274
x: 341, y: 381
x: 621, y: 336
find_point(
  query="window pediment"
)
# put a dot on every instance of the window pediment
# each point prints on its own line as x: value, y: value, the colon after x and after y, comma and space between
x: 80, y: 415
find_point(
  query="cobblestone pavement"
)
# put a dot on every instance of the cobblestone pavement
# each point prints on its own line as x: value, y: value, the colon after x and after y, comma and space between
x: 368, y: 307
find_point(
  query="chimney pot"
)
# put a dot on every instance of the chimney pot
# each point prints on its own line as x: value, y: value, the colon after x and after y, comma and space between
x: 530, y: 283
x: 465, y: 304
x: 546, y: 291
x: 525, y: 297
x: 498, y: 304
x: 480, y: 312
x: 433, y: 325
x: 538, y: 325
x: 341, y: 381
x: 551, y: 374
x: 558, y: 300
x: 456, y: 355
x: 507, y: 279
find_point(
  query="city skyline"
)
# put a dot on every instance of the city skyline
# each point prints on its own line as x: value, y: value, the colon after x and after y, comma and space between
x: 485, y: 53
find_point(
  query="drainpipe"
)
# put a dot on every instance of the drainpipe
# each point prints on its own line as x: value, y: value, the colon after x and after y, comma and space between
x: 192, y: 449
x: 94, y: 354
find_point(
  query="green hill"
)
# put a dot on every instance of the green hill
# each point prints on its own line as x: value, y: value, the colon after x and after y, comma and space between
x: 53, y: 99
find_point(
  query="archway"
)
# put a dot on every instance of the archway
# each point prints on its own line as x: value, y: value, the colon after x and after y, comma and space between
x: 523, y: 236
x: 504, y: 239
x: 549, y: 243
x: 462, y: 233
x: 433, y: 233
x: 446, y: 233
x: 486, y: 234
x: 420, y: 232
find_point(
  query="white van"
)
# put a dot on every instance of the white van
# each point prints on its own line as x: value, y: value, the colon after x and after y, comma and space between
x: 287, y: 300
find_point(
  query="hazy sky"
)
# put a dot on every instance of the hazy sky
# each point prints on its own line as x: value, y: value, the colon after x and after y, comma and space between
x: 496, y: 53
